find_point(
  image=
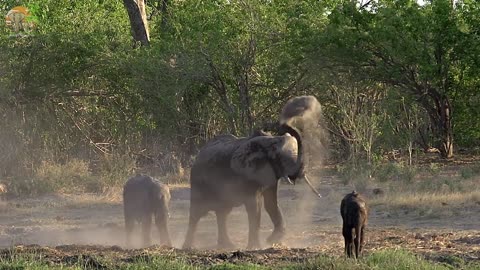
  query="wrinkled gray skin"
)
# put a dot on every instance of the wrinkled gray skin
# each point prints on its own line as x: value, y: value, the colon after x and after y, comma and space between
x: 231, y: 171
x: 143, y: 198
x: 354, y: 211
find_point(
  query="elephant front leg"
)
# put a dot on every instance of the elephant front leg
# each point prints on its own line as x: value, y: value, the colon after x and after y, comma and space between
x: 197, y: 210
x: 161, y: 220
x: 224, y: 241
x: 273, y: 210
x: 254, y: 211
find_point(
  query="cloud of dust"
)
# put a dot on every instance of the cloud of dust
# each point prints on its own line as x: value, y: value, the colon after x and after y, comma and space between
x: 305, y: 114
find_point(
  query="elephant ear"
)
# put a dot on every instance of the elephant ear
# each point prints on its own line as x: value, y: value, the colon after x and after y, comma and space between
x: 254, y: 158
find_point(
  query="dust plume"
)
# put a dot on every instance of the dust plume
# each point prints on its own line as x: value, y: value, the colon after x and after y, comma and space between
x: 305, y: 114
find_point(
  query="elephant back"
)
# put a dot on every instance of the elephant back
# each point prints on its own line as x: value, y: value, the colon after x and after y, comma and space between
x: 218, y: 151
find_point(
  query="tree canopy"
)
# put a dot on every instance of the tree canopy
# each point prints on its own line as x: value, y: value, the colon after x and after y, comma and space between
x: 389, y: 74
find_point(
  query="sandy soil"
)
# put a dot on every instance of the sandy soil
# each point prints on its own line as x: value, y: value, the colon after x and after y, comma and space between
x: 87, y: 223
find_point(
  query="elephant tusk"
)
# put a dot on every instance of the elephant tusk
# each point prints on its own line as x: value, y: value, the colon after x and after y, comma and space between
x: 286, y: 178
x: 312, y: 187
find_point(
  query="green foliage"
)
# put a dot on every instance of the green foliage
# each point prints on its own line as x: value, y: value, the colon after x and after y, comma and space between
x: 76, y: 89
x: 470, y: 171
x: 414, y: 49
x: 434, y: 168
x: 357, y: 175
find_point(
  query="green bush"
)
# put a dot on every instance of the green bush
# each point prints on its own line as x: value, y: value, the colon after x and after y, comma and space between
x: 387, y: 171
x: 434, y: 169
x: 353, y: 173
x: 395, y: 171
x: 470, y: 171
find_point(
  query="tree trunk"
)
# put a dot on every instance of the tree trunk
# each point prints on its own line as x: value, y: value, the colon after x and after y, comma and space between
x: 138, y: 21
x: 445, y: 128
x: 441, y: 117
x: 247, y: 118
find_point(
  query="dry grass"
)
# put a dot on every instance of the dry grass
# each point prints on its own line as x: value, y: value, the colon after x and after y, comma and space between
x: 413, y: 200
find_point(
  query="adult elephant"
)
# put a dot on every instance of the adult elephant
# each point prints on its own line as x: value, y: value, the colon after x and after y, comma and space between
x: 230, y: 171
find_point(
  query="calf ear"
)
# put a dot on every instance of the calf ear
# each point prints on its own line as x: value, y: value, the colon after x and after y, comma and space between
x: 252, y: 160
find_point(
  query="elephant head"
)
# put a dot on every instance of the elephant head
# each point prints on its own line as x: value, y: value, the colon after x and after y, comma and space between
x: 265, y: 158
x: 298, y: 170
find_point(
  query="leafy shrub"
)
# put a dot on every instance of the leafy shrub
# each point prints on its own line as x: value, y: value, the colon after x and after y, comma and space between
x: 385, y: 172
x: 470, y: 171
x: 357, y: 175
x: 114, y: 171
x: 433, y: 169
x: 395, y: 171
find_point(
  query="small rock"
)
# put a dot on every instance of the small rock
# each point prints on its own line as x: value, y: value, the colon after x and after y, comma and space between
x: 378, y: 191
x: 419, y: 236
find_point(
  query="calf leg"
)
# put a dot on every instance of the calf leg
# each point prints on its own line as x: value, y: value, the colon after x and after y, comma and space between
x: 273, y: 210
x: 254, y: 211
x: 161, y: 220
x: 348, y: 237
x: 357, y: 240
x: 146, y: 230
x: 362, y: 240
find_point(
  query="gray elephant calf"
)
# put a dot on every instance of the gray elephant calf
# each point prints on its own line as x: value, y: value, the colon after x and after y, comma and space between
x: 143, y: 198
x: 354, y: 213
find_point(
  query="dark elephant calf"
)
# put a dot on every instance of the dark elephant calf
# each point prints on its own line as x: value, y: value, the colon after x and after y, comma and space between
x: 143, y: 198
x: 354, y: 213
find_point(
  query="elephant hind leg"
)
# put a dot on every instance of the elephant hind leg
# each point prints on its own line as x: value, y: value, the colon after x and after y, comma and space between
x: 197, y: 211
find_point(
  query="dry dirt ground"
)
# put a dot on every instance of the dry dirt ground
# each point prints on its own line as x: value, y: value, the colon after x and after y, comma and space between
x: 66, y: 225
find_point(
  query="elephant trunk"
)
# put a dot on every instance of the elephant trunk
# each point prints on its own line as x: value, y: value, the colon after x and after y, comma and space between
x: 299, y: 166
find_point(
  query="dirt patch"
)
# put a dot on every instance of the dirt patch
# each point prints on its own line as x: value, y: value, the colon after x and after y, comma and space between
x: 433, y: 245
x: 87, y: 229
